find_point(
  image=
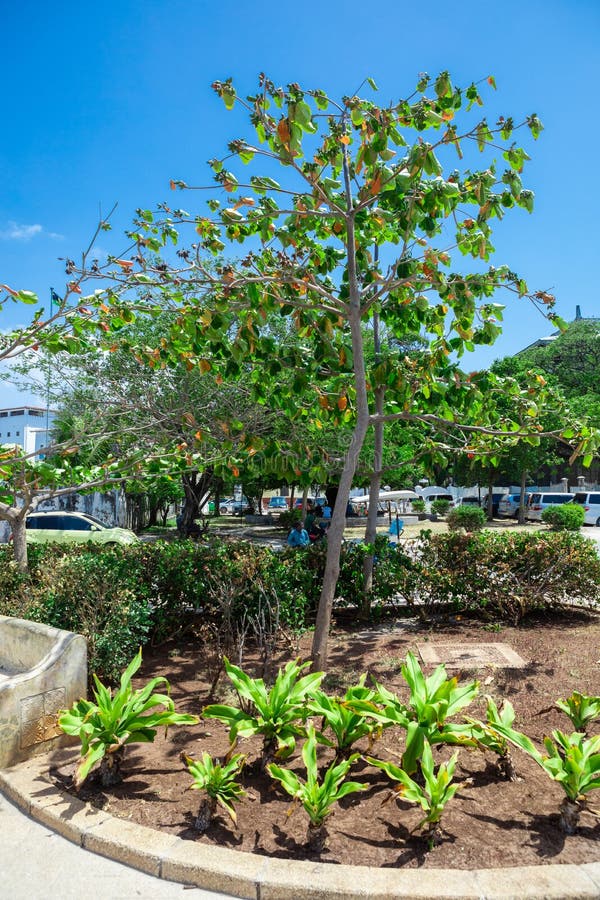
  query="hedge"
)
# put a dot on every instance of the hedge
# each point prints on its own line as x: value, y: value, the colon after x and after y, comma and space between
x: 125, y: 597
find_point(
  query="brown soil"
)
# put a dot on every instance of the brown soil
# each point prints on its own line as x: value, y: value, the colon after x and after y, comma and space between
x: 489, y: 823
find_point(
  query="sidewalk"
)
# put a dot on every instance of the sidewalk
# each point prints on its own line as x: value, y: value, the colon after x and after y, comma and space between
x: 37, y: 864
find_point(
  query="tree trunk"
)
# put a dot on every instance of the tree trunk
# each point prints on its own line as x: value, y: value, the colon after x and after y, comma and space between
x: 335, y: 535
x: 490, y: 501
x: 19, y: 537
x: 195, y: 485
x: 521, y: 513
x: 153, y: 507
x: 374, y: 488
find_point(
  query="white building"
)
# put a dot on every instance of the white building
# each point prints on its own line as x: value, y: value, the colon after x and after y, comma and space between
x: 26, y: 426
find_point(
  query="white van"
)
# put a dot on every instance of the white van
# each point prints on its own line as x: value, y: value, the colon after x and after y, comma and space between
x: 590, y: 500
x: 539, y: 500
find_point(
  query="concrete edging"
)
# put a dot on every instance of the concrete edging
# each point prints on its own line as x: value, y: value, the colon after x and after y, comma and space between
x: 254, y: 877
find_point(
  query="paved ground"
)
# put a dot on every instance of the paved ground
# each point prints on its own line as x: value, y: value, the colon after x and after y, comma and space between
x: 37, y: 864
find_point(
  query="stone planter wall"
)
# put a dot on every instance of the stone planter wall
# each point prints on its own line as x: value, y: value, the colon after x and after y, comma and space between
x: 42, y: 670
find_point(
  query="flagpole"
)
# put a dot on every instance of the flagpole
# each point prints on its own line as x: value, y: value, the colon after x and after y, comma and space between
x: 48, y: 375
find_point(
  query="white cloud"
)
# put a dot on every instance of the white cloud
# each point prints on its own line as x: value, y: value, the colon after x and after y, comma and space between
x: 16, y: 232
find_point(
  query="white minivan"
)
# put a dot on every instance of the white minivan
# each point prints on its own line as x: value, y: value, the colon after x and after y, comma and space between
x: 590, y: 500
x: 539, y: 500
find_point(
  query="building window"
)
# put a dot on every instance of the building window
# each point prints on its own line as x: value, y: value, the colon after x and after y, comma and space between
x: 17, y: 412
x: 8, y: 434
x: 17, y: 434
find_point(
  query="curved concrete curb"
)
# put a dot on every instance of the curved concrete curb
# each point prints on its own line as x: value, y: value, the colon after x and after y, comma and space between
x: 263, y: 878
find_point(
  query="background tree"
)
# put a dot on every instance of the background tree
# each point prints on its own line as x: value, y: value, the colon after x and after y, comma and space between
x: 357, y: 175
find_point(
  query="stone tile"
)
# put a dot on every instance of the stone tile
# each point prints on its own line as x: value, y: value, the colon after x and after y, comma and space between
x: 471, y: 656
x: 313, y: 881
x: 537, y: 883
x: 215, y: 868
x: 592, y: 870
x: 129, y: 843
x: 18, y: 782
x: 66, y: 815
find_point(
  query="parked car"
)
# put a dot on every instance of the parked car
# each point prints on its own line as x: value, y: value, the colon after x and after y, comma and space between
x: 235, y: 507
x: 508, y: 508
x: 441, y: 496
x: 469, y: 501
x: 539, y: 500
x: 56, y: 527
x: 322, y: 501
x: 496, y: 498
x: 277, y: 504
x: 590, y: 500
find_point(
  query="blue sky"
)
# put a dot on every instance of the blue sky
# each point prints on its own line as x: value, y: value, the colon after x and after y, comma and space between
x: 104, y: 105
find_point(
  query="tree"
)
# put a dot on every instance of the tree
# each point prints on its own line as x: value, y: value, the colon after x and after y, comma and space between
x: 358, y: 176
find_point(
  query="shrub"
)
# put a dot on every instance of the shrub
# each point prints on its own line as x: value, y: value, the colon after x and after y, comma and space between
x: 564, y: 517
x: 95, y: 591
x: 290, y: 517
x: 418, y: 505
x: 505, y: 575
x: 13, y: 584
x: 440, y: 507
x: 471, y: 518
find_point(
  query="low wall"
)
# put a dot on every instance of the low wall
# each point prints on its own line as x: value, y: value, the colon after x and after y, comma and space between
x: 42, y: 670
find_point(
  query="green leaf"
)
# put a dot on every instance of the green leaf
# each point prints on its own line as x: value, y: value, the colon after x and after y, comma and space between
x: 303, y: 115
x: 372, y: 84
x: 27, y: 297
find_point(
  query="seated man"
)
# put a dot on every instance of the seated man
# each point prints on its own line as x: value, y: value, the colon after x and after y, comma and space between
x: 298, y: 536
x: 315, y: 530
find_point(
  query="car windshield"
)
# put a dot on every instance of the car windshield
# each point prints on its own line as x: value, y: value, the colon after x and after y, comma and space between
x: 94, y: 520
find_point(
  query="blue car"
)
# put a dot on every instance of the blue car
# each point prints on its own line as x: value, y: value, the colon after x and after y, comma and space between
x: 277, y: 504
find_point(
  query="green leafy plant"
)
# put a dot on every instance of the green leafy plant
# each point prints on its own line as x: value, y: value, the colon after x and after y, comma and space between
x: 418, y: 505
x: 580, y: 709
x: 571, y: 760
x: 107, y: 725
x: 564, y: 517
x: 347, y: 726
x: 433, y: 796
x: 219, y: 784
x: 471, y: 518
x: 273, y: 713
x: 489, y: 738
x: 317, y: 796
x: 433, y: 700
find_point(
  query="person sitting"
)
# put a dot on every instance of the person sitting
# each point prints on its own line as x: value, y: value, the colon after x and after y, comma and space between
x: 309, y: 522
x: 315, y: 530
x: 298, y: 536
x: 327, y: 511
